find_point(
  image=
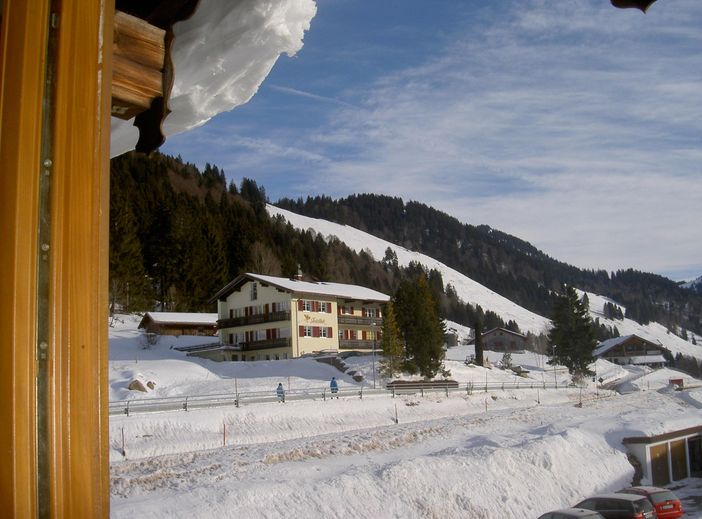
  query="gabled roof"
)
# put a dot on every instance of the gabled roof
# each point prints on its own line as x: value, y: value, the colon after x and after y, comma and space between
x: 179, y: 318
x: 294, y: 286
x: 500, y: 329
x: 607, y: 345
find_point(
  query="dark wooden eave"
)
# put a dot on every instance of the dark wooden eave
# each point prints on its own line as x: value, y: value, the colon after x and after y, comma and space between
x: 690, y: 431
x: 160, y: 14
x: 643, y: 5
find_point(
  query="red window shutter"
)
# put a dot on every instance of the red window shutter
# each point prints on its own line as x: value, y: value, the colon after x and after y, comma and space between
x: 329, y: 332
x: 274, y: 333
x: 317, y: 305
x: 273, y: 307
x: 329, y: 306
x: 268, y: 334
x: 315, y: 331
x: 300, y: 304
x: 265, y: 308
x: 363, y: 335
x: 302, y: 331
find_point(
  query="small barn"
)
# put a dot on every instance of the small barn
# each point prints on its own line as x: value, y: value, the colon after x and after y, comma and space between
x: 179, y: 323
x: 631, y: 349
x: 502, y: 339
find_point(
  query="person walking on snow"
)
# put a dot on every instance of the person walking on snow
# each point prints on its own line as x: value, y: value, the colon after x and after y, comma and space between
x: 334, y: 387
x: 280, y: 391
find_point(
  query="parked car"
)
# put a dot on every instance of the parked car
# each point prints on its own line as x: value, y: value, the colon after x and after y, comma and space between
x: 666, y: 504
x: 572, y: 513
x: 620, y: 506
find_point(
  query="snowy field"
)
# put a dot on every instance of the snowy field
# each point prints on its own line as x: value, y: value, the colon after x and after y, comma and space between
x: 505, y: 454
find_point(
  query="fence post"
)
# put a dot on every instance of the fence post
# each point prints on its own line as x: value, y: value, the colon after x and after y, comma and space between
x: 360, y: 393
x: 422, y: 390
x: 236, y: 400
x: 126, y: 409
x: 324, y: 394
x: 185, y: 404
x: 446, y: 390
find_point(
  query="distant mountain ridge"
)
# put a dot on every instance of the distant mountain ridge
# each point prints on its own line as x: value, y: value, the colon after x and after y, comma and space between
x: 508, y: 265
x: 694, y: 285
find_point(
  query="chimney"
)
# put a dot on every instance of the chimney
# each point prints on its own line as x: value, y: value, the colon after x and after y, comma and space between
x: 298, y: 276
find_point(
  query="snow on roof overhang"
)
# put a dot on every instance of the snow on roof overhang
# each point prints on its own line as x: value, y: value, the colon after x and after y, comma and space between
x: 690, y: 431
x: 220, y: 55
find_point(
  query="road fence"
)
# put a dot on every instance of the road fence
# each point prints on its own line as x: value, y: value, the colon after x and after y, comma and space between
x: 191, y: 402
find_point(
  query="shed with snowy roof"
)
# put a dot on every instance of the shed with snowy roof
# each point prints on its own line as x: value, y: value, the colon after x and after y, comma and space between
x: 179, y: 323
x: 631, y: 349
x: 270, y: 318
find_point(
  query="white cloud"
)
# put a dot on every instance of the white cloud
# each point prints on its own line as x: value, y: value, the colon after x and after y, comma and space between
x: 574, y: 127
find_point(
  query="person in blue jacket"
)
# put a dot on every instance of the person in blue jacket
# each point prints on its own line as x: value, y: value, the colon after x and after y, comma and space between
x: 280, y: 391
x: 334, y: 387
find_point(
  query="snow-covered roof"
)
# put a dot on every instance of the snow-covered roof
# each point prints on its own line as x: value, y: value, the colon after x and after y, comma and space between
x: 500, y: 329
x: 180, y: 318
x: 607, y: 345
x: 296, y: 286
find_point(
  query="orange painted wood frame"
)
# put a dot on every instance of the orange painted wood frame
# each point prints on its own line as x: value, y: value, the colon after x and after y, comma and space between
x: 75, y: 402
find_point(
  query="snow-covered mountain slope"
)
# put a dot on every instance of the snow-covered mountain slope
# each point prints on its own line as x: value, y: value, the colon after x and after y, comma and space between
x: 474, y: 293
x: 468, y: 290
x: 695, y: 284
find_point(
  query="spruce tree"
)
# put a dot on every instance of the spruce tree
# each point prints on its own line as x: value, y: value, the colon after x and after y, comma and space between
x: 572, y: 337
x: 421, y: 327
x: 391, y: 343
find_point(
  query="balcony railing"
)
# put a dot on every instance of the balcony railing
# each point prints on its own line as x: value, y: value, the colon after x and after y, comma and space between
x: 360, y: 321
x: 233, y: 322
x: 266, y: 344
x: 357, y: 344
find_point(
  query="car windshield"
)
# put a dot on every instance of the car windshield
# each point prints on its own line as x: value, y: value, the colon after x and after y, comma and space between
x: 662, y: 497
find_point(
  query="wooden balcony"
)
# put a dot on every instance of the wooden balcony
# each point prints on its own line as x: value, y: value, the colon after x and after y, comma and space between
x: 360, y: 321
x: 266, y: 344
x: 234, y: 322
x: 357, y: 344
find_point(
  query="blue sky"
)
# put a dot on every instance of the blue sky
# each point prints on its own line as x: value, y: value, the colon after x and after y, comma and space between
x: 568, y: 123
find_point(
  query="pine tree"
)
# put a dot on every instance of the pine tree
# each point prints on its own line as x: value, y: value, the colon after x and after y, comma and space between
x: 391, y: 343
x: 572, y: 338
x: 421, y: 327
